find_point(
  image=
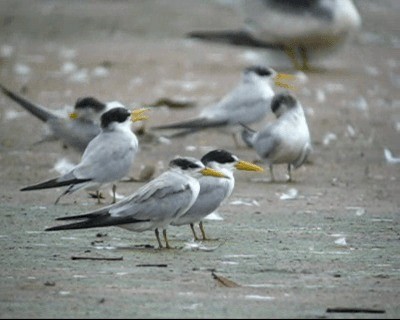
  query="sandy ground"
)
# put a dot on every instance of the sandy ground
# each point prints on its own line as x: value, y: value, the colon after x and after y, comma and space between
x: 334, y: 245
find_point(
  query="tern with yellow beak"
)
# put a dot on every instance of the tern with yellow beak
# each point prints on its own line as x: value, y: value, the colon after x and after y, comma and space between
x: 107, y: 158
x: 213, y: 191
x: 247, y: 103
x: 154, y: 205
x: 305, y: 30
x: 75, y: 131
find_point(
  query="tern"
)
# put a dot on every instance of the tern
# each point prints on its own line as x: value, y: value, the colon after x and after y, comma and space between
x: 247, y: 103
x: 107, y: 158
x: 75, y: 131
x: 154, y: 205
x: 287, y: 140
x: 302, y: 29
x: 214, y: 191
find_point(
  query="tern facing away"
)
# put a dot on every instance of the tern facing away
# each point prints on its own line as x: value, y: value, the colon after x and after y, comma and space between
x: 154, y: 205
x: 287, y: 140
x: 247, y: 103
x: 107, y: 158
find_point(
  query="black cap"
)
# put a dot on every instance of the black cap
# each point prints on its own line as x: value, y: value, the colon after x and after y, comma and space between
x: 114, y: 115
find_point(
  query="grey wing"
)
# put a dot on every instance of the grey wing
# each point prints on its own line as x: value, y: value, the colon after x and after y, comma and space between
x: 240, y: 106
x: 108, y: 157
x: 160, y: 199
x: 266, y: 142
x: 156, y: 201
x: 210, y: 198
x: 66, y: 180
x: 305, y: 152
x: 74, y: 133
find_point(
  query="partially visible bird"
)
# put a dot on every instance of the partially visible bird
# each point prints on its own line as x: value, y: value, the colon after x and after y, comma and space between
x: 303, y: 29
x: 154, y: 205
x: 213, y: 191
x: 287, y: 140
x: 247, y: 103
x: 75, y: 131
x: 107, y: 158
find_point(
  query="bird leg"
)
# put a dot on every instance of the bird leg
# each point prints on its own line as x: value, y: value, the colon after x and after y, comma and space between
x: 271, y: 171
x: 304, y: 57
x: 158, y: 238
x: 98, y: 196
x: 291, y: 53
x: 58, y: 199
x: 166, y: 239
x: 289, y: 168
x: 194, y: 232
x: 236, y: 141
x: 114, y: 189
x: 63, y: 194
x: 203, y: 233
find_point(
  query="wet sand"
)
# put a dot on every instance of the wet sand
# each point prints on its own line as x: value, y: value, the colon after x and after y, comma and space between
x: 334, y: 245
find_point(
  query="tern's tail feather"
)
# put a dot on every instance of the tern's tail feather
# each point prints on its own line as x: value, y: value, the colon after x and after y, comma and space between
x: 95, y: 220
x: 54, y: 183
x: 248, y: 135
x: 233, y: 37
x: 36, y: 110
x: 200, y: 123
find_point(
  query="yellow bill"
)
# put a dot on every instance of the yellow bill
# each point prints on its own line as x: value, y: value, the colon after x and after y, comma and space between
x: 213, y: 173
x: 244, y: 165
x: 282, y: 77
x: 138, y: 115
x: 73, y: 115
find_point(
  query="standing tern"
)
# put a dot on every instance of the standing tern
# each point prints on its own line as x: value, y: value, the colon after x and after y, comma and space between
x: 75, y: 131
x: 213, y: 191
x: 107, y: 158
x: 302, y: 29
x: 287, y: 140
x: 247, y: 103
x: 154, y: 205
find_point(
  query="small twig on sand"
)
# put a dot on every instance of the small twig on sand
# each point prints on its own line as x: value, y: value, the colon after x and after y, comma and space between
x: 354, y: 310
x: 97, y: 258
x: 224, y: 282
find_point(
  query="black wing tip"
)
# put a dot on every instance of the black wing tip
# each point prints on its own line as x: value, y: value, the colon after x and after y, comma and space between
x: 81, y: 217
x: 38, y: 187
x: 6, y: 90
x: 53, y: 184
x: 179, y: 125
x: 86, y: 224
x: 233, y: 37
x: 194, y: 124
x: 3, y: 88
x: 52, y: 229
x: 12, y: 95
